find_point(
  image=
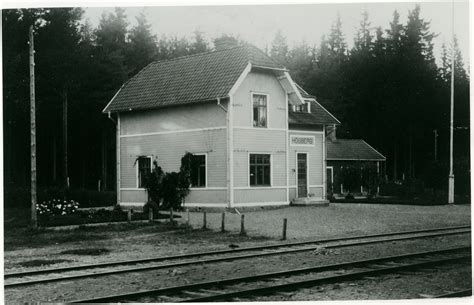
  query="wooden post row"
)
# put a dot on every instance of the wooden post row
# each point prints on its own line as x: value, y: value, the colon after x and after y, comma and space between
x: 223, y: 222
x: 242, y: 224
x: 284, y: 228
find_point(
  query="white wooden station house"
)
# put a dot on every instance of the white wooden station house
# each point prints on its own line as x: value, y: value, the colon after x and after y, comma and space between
x: 260, y: 137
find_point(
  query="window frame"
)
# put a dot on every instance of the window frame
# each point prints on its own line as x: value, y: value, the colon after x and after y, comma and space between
x: 307, y: 170
x: 252, y: 93
x: 271, y: 170
x: 205, y: 172
x: 137, y: 171
x: 306, y: 104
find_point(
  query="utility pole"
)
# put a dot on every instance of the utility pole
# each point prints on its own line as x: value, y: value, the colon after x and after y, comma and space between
x: 451, y: 173
x: 34, y: 222
x: 435, y: 131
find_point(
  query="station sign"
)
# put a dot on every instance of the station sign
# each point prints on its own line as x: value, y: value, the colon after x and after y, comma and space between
x: 300, y: 140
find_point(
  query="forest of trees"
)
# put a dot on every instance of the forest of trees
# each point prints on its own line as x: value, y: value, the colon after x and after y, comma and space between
x: 386, y: 89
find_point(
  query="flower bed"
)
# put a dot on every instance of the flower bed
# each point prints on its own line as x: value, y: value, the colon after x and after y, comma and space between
x: 95, y: 216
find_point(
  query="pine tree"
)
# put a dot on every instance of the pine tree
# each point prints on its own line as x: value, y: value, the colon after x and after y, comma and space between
x: 279, y: 49
x: 199, y: 44
x: 336, y: 40
x: 142, y: 49
x: 300, y: 62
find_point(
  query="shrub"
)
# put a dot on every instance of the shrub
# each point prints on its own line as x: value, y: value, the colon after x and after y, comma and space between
x: 56, y: 207
x: 168, y: 190
x: 153, y: 205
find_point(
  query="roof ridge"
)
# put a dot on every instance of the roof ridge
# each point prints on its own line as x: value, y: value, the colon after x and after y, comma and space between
x: 195, y: 55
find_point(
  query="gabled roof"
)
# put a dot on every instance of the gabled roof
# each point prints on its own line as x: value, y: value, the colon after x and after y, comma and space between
x: 187, y: 80
x: 318, y: 116
x: 353, y: 149
x: 304, y: 94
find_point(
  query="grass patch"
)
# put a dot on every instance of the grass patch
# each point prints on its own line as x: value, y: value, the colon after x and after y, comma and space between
x: 42, y: 262
x: 29, y: 238
x: 90, y: 251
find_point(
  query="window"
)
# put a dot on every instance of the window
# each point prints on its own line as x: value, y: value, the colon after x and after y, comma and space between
x: 259, y: 110
x: 144, y: 168
x: 198, y: 171
x: 303, y: 107
x: 259, y: 170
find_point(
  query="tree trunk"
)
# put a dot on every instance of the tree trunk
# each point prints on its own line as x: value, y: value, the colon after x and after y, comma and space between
x: 54, y: 159
x: 104, y: 160
x: 65, y: 150
x: 394, y: 161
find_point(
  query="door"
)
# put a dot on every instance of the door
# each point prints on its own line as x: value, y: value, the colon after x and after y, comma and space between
x: 329, y: 180
x: 302, y: 174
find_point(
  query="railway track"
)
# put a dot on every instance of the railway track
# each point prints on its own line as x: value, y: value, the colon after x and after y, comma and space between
x: 103, y: 269
x: 239, y: 288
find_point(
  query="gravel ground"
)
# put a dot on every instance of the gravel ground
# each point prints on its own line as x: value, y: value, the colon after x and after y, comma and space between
x: 122, y: 283
x: 128, y: 245
x: 263, y: 227
x: 413, y: 285
x: 338, y: 219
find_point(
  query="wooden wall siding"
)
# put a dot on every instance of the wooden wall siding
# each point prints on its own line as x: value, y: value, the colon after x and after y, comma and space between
x: 259, y: 195
x: 207, y: 196
x: 292, y: 193
x: 260, y: 83
x: 315, y: 160
x: 168, y: 150
x: 139, y: 196
x: 259, y: 141
x: 316, y: 191
x: 202, y: 115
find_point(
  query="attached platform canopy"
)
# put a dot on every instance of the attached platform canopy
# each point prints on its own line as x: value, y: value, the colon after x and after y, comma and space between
x: 352, y: 149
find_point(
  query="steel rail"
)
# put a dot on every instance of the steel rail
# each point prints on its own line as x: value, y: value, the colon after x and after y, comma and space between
x: 325, y: 280
x: 198, y: 254
x: 214, y: 260
x: 246, y: 279
x: 456, y: 294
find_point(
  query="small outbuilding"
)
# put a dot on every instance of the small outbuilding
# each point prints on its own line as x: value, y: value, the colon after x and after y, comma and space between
x: 351, y: 154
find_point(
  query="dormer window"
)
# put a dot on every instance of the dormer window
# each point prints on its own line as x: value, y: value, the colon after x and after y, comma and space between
x: 259, y: 110
x: 305, y: 107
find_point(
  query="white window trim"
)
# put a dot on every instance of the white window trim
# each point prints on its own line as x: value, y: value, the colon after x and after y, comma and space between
x: 332, y: 173
x: 307, y: 171
x: 305, y: 102
x: 136, y: 171
x: 248, y: 169
x: 205, y: 171
x: 252, y: 93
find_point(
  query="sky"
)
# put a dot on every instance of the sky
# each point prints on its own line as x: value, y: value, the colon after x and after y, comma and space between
x: 258, y: 24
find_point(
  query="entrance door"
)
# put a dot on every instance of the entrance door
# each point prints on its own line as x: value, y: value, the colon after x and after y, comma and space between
x: 302, y: 162
x: 329, y: 180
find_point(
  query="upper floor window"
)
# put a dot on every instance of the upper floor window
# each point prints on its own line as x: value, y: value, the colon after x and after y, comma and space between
x: 259, y: 110
x: 144, y: 168
x: 198, y: 171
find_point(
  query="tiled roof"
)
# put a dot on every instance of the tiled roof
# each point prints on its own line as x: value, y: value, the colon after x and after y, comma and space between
x: 188, y: 79
x: 318, y: 116
x: 353, y: 149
